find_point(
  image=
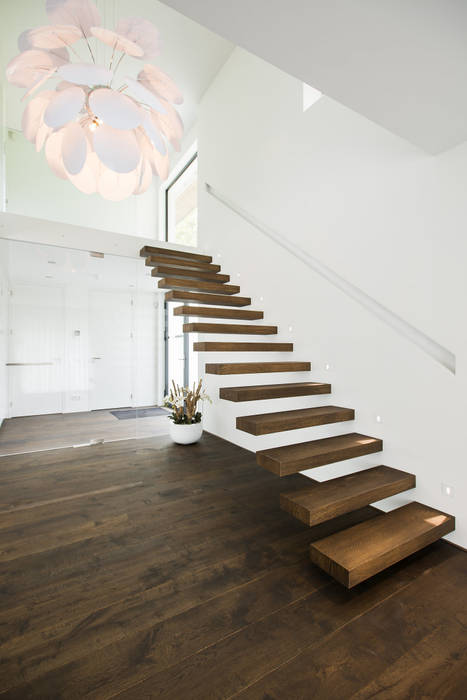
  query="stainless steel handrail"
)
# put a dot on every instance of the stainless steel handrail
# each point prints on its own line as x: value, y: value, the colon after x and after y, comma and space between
x: 437, y: 351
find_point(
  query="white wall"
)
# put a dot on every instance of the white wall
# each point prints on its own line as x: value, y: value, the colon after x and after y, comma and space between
x: 381, y: 214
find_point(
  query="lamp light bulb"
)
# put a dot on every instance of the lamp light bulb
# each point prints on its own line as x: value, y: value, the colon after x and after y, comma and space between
x: 95, y: 123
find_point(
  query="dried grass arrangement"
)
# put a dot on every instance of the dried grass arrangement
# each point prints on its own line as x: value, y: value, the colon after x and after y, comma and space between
x: 183, y: 402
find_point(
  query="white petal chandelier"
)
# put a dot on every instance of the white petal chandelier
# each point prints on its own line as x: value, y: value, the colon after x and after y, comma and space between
x: 102, y: 138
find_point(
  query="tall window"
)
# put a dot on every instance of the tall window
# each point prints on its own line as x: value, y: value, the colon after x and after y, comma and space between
x: 182, y: 206
x: 181, y: 227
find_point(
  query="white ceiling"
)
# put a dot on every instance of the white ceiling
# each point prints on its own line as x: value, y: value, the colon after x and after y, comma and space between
x: 191, y: 54
x: 401, y: 63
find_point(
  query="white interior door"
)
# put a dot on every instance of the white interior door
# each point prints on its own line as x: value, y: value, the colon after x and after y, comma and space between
x: 35, y: 350
x: 111, y: 349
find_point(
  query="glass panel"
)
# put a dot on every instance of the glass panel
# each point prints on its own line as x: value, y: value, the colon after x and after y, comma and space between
x: 176, y: 346
x: 35, y: 191
x: 181, y: 359
x: 182, y: 207
x: 79, y: 344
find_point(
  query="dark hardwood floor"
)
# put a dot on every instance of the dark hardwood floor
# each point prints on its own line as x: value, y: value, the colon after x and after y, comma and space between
x: 143, y: 569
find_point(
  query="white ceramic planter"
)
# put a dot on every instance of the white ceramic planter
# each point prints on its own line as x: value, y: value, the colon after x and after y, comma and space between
x: 186, y: 434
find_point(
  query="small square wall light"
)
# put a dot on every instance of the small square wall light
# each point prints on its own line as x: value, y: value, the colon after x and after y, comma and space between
x: 310, y: 96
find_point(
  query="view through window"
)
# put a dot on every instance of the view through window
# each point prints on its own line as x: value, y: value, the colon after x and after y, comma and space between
x: 182, y: 206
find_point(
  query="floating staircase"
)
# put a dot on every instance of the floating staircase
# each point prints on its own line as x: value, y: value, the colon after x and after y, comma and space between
x: 229, y: 329
x: 243, y: 347
x: 167, y: 271
x: 207, y: 312
x: 265, y: 423
x: 181, y: 263
x: 256, y: 367
x: 335, y: 497
x: 211, y: 299
x: 291, y: 459
x: 353, y: 554
x: 273, y: 391
x: 361, y: 551
x: 187, y: 284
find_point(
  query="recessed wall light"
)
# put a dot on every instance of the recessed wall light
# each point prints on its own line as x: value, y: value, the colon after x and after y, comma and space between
x: 447, y: 490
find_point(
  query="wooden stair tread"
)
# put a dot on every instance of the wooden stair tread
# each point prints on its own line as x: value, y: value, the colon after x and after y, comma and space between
x: 265, y: 423
x: 171, y: 253
x: 306, y: 455
x: 329, y: 499
x: 165, y: 271
x: 273, y: 391
x: 256, y: 367
x: 240, y: 314
x: 183, y: 263
x: 229, y: 328
x: 361, y: 551
x: 243, y: 347
x: 200, y: 285
x: 210, y: 299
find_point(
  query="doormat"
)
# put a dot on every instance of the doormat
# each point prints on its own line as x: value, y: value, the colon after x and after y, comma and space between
x: 127, y: 413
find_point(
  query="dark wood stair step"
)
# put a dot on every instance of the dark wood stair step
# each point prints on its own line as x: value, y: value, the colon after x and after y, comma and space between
x: 257, y: 367
x: 210, y: 299
x: 329, y: 499
x: 240, y: 314
x: 243, y: 347
x: 171, y: 253
x: 355, y: 554
x: 165, y: 271
x: 187, y: 284
x: 183, y: 263
x: 291, y: 459
x: 265, y: 423
x: 273, y: 391
x: 229, y: 328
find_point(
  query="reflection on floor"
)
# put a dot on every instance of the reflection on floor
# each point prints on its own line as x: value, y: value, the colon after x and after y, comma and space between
x: 32, y: 433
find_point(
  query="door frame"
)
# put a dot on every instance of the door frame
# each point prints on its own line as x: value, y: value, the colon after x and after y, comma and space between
x: 184, y: 163
x: 186, y: 352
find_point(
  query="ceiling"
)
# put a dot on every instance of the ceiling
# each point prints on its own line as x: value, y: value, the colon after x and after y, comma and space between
x: 191, y: 54
x: 400, y: 63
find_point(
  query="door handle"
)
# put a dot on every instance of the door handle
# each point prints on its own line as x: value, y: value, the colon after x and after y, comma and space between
x: 27, y: 364
x: 96, y: 358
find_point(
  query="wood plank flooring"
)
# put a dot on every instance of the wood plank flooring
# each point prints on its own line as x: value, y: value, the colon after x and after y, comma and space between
x: 144, y: 569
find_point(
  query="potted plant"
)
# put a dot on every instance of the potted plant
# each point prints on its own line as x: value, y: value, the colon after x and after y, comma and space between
x: 186, y: 426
